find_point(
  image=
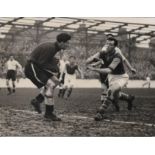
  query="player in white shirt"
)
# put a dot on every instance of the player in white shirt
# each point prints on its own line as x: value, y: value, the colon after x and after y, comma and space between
x: 147, y: 82
x: 12, y: 65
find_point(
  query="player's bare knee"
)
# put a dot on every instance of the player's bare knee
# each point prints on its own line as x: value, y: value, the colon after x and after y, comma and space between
x: 50, y: 86
x: 7, y: 83
x: 13, y: 83
x: 49, y: 93
x: 113, y: 91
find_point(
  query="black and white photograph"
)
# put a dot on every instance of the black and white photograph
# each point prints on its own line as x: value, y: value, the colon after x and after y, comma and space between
x: 77, y: 76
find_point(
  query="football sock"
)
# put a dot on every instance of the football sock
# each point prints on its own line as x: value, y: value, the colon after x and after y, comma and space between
x: 60, y: 92
x: 9, y: 89
x: 40, y: 98
x: 69, y: 92
x: 63, y: 92
x: 103, y: 97
x: 49, y: 109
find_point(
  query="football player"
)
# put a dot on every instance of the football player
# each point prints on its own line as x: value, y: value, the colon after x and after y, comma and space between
x: 114, y: 68
x: 42, y: 69
x: 12, y: 66
x: 148, y: 81
x: 70, y: 76
x: 104, y: 77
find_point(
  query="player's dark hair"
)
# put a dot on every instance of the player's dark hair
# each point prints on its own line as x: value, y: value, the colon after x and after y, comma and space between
x: 63, y: 37
x: 115, y: 41
x: 109, y: 35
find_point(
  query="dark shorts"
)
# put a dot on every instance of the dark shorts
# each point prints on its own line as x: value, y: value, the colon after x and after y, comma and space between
x: 11, y: 74
x: 36, y: 74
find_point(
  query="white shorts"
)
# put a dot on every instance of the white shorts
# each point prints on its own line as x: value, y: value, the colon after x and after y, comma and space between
x: 70, y: 80
x: 122, y: 80
x: 103, y: 86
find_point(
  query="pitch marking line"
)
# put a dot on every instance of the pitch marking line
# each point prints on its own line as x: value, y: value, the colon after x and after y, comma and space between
x: 112, y: 121
x: 89, y: 118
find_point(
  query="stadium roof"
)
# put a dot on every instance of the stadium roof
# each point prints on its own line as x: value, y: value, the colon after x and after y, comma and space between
x: 142, y: 29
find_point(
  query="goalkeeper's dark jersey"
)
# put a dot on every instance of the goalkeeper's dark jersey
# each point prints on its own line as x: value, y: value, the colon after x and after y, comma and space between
x: 43, y: 55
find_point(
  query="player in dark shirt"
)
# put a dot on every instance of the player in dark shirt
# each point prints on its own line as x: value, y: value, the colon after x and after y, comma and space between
x: 42, y: 69
x: 96, y: 60
x: 116, y: 75
x: 70, y: 76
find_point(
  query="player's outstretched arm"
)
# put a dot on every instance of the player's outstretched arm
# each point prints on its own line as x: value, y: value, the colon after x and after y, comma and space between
x: 19, y: 67
x: 91, y: 59
x: 100, y: 70
x: 99, y: 62
x: 133, y: 70
x: 126, y: 62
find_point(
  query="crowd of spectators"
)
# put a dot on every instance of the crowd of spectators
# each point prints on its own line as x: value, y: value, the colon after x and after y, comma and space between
x: 139, y: 59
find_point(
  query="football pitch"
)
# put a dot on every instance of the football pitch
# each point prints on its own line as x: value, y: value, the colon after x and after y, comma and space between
x: 17, y: 117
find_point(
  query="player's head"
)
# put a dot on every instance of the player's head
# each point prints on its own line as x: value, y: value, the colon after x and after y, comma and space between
x: 109, y: 36
x: 72, y: 59
x: 110, y: 45
x: 63, y: 40
x: 11, y: 57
